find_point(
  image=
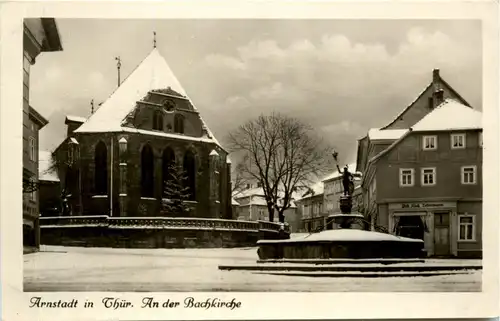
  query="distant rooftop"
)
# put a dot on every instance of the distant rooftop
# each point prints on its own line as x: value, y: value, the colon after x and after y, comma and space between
x: 385, y: 134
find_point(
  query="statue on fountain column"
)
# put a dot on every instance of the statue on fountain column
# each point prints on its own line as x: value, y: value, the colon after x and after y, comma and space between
x: 347, y: 180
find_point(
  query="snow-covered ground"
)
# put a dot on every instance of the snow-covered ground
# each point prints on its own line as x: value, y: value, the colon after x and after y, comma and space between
x: 163, y: 270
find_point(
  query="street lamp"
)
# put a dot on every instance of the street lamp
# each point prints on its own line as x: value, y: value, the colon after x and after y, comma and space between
x: 122, y: 143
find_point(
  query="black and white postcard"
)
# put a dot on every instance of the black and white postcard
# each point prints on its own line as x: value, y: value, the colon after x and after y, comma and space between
x: 243, y: 160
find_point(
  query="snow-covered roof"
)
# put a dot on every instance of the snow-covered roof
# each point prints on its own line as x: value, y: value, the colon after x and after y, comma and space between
x: 77, y: 119
x: 44, y: 163
x: 385, y: 134
x: 344, y: 235
x: 258, y: 197
x: 152, y: 73
x: 214, y: 153
x: 450, y: 115
x: 234, y: 202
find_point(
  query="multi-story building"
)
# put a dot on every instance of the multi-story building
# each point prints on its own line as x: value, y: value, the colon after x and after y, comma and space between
x: 40, y: 35
x: 323, y: 199
x: 425, y: 181
x: 310, y: 208
x: 252, y: 206
x: 334, y: 189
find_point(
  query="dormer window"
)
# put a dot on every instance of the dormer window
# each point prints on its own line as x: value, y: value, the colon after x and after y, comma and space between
x: 179, y: 124
x: 157, y: 120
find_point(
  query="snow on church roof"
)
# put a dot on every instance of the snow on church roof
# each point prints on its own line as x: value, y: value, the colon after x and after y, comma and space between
x: 450, y: 115
x: 152, y: 73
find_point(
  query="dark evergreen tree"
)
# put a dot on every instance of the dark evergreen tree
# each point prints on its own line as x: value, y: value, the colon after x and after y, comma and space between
x: 176, y: 191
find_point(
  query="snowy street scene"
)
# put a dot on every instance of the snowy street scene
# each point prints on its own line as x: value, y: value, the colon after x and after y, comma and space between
x: 169, y: 270
x: 247, y: 155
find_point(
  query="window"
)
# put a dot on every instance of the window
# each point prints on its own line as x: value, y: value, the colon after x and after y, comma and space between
x: 480, y: 139
x: 168, y: 161
x: 179, y: 124
x: 157, y: 120
x: 262, y: 215
x: 190, y: 169
x: 428, y: 176
x: 70, y: 154
x: 32, y: 148
x: 147, y: 172
x: 101, y: 169
x: 33, y: 191
x: 430, y: 142
x: 406, y: 176
x: 467, y: 227
x: 469, y: 174
x: 457, y: 141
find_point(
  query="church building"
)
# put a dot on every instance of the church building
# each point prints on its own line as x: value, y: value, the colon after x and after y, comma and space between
x: 117, y: 161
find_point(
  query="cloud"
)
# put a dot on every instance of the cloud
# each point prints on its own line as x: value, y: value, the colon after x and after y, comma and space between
x: 341, y: 83
x: 341, y: 87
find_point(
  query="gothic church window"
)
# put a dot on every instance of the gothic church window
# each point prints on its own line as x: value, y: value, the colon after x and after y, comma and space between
x: 190, y: 169
x: 179, y: 124
x: 101, y: 169
x: 147, y: 172
x: 168, y: 160
x: 157, y: 120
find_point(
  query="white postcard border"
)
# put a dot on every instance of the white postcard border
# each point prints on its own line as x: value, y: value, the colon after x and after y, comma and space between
x: 272, y: 305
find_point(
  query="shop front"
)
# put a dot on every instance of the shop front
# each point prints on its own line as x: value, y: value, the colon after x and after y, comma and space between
x: 433, y: 222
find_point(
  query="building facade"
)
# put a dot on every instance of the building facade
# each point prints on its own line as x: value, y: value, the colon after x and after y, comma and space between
x: 252, y: 206
x: 49, y: 187
x: 323, y: 199
x: 425, y: 182
x: 40, y: 35
x: 118, y: 162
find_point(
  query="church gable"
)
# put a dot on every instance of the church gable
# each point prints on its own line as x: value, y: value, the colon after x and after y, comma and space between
x: 166, y: 111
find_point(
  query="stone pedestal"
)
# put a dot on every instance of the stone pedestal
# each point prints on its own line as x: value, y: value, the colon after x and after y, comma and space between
x: 345, y: 204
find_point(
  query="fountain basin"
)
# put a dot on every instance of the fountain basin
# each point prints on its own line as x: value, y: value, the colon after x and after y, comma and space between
x: 342, y: 243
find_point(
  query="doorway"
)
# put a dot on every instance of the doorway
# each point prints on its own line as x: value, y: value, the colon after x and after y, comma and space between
x: 442, y: 233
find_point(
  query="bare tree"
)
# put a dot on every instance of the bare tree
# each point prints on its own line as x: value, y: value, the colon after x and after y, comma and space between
x: 239, y: 179
x: 281, y: 153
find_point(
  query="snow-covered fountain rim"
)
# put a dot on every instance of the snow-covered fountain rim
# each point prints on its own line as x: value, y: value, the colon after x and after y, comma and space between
x: 349, y: 235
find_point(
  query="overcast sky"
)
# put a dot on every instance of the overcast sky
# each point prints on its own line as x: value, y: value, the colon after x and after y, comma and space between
x: 340, y: 76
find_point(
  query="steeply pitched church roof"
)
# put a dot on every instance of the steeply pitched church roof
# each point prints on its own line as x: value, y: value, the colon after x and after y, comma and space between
x: 151, y: 74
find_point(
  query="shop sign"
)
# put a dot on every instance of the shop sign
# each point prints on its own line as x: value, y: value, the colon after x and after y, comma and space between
x: 423, y: 205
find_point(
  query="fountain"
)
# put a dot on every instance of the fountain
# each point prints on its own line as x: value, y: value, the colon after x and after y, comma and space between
x: 343, y: 237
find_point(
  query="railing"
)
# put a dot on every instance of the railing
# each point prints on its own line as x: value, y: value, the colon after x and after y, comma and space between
x: 74, y: 221
x: 161, y: 223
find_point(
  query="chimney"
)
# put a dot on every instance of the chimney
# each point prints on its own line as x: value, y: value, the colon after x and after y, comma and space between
x: 435, y: 75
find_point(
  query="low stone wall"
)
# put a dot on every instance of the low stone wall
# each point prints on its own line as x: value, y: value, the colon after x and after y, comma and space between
x: 336, y: 249
x: 156, y: 232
